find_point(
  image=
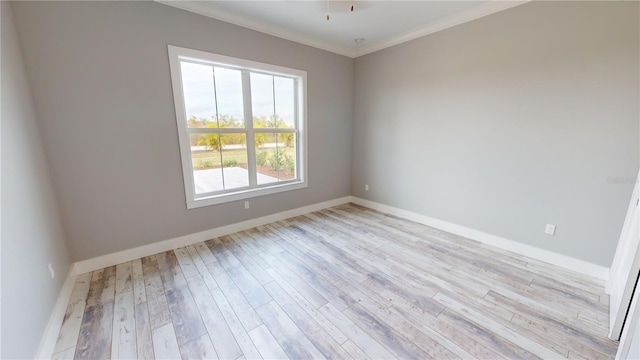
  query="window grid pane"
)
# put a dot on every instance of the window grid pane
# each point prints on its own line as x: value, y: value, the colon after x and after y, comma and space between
x: 262, y: 100
x: 206, y: 162
x: 234, y: 161
x: 275, y: 157
x: 284, y: 102
x: 229, y: 101
x: 199, y: 95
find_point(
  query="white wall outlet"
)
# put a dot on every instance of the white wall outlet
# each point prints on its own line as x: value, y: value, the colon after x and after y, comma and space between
x: 246, y: 204
x: 51, y: 271
x: 550, y: 229
x: 366, y: 187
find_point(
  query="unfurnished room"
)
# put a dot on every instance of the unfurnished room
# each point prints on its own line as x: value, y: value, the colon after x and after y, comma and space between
x: 320, y: 179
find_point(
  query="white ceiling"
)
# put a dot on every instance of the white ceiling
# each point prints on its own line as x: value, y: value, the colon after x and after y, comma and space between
x: 380, y: 23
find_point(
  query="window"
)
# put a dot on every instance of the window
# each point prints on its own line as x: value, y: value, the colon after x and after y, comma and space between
x: 241, y: 126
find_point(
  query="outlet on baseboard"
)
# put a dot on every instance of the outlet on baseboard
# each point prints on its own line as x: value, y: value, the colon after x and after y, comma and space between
x: 51, y: 271
x: 246, y: 204
x: 366, y: 187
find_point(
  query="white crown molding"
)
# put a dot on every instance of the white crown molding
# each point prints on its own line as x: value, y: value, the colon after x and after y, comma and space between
x: 445, y: 23
x: 207, y: 9
x: 564, y: 261
x: 212, y: 11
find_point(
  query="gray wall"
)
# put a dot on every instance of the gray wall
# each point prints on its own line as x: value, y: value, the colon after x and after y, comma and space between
x: 32, y: 234
x: 507, y: 123
x: 100, y: 73
x: 502, y: 124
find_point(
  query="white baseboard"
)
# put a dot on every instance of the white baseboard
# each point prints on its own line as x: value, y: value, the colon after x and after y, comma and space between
x: 581, y: 266
x: 50, y: 337
x: 170, y: 244
x: 567, y: 262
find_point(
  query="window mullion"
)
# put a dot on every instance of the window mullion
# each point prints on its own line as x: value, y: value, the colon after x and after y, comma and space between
x: 274, y: 130
x: 248, y: 123
x: 200, y: 190
x: 216, y: 130
x: 296, y: 124
x: 215, y: 97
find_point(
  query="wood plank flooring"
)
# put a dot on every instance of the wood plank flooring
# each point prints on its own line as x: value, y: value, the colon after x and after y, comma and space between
x: 345, y: 282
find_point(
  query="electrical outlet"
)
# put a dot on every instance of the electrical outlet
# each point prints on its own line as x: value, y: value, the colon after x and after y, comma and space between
x: 246, y: 204
x: 51, y: 271
x: 366, y: 187
x: 550, y: 229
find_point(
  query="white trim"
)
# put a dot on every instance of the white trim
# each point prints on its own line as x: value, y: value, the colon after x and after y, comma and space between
x: 176, y: 54
x: 631, y: 330
x: 212, y: 11
x: 210, y: 58
x: 50, y: 336
x: 249, y: 193
x: 445, y: 23
x: 567, y: 262
x: 625, y: 242
x: 103, y: 261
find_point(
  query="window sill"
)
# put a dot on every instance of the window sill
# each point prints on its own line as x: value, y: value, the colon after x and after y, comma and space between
x: 244, y: 194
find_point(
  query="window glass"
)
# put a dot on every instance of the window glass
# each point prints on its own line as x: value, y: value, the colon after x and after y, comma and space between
x: 284, y: 101
x: 199, y: 94
x: 262, y: 100
x: 224, y: 157
x: 229, y: 97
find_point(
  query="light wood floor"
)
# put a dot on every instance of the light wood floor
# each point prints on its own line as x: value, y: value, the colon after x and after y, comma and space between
x: 347, y: 282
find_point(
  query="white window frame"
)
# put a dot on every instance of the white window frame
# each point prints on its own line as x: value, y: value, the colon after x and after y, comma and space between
x: 246, y: 66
